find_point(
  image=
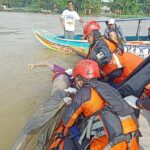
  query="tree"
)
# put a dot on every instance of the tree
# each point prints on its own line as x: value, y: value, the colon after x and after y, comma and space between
x: 94, y: 5
x: 127, y: 6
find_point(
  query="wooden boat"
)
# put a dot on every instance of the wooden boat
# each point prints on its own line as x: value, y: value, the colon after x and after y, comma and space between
x: 58, y: 43
x: 136, y: 44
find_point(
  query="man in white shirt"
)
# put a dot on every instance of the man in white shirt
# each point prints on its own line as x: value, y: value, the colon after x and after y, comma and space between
x: 68, y: 19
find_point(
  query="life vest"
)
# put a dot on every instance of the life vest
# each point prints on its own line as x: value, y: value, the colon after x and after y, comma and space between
x: 103, y: 52
x: 127, y: 61
x: 100, y: 52
x: 130, y: 62
x: 112, y: 46
x: 57, y: 141
x: 106, y: 127
x: 111, y: 119
x: 118, y: 105
x: 116, y: 61
x: 114, y: 64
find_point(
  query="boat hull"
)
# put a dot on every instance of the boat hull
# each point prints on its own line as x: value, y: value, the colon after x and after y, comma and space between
x: 81, y: 47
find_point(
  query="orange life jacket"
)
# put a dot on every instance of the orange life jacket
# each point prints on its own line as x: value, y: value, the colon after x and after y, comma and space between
x: 112, y: 46
x: 114, y: 64
x: 92, y: 106
x: 58, y: 138
x: 130, y: 61
x: 114, y: 61
x: 127, y: 61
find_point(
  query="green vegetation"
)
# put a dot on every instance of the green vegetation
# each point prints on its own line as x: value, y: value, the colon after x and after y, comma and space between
x: 117, y: 7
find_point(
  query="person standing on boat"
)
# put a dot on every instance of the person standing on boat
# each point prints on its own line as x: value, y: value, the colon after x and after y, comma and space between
x: 112, y: 26
x: 68, y: 19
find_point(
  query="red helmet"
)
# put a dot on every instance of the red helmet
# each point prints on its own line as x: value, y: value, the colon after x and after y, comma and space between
x: 90, y: 26
x: 86, y: 68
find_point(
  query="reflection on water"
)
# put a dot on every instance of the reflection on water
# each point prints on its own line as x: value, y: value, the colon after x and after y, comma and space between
x: 23, y: 90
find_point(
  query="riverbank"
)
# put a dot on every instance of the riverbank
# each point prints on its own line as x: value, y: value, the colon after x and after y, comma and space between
x: 28, y: 10
x: 38, y: 10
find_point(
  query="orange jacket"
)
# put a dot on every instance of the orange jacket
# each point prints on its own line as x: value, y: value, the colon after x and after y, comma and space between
x: 130, y: 61
x: 90, y: 103
x: 116, y: 61
x: 112, y: 46
x: 114, y: 64
x: 127, y: 60
x: 104, y: 52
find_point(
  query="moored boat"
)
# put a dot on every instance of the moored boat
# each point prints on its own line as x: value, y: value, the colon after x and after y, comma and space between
x: 58, y: 43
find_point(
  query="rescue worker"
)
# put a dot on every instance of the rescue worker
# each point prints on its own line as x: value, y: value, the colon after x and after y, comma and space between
x: 113, y: 65
x: 92, y: 28
x: 108, y: 120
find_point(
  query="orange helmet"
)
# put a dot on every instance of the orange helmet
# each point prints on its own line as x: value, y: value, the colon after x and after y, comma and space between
x: 90, y: 26
x: 87, y: 69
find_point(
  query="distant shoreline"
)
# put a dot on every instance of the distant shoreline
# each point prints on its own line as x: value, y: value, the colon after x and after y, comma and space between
x: 29, y: 10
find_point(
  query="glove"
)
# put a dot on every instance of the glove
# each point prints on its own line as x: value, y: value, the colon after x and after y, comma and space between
x: 69, y: 71
x: 71, y: 90
x: 67, y: 100
x: 131, y: 100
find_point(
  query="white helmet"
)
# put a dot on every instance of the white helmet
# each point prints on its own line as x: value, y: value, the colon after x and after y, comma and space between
x: 111, y: 21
